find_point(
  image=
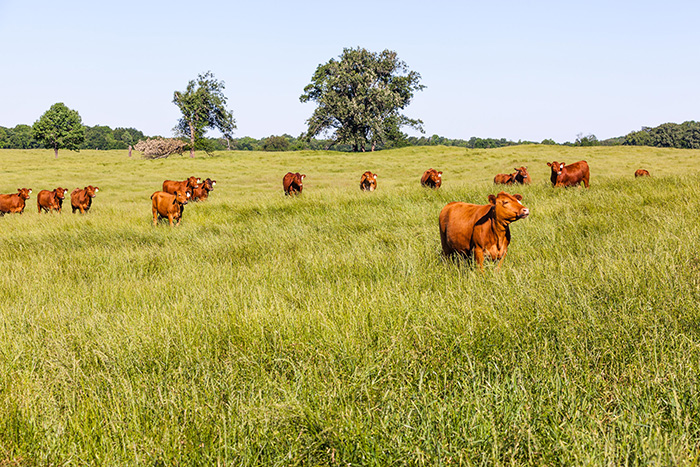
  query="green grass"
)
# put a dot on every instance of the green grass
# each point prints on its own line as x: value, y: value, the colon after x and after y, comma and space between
x: 327, y: 330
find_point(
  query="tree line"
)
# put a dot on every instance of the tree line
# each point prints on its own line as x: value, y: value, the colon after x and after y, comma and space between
x: 96, y: 137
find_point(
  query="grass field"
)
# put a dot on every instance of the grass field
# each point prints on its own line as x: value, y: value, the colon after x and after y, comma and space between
x: 327, y: 329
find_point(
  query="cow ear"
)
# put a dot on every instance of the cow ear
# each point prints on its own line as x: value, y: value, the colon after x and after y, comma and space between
x: 518, y: 197
x: 375, y: 175
x: 492, y: 199
x: 549, y: 164
x: 562, y: 164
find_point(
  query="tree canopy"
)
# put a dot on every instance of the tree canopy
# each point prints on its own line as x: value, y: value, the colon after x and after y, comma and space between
x: 203, y: 106
x: 59, y: 128
x: 360, y: 97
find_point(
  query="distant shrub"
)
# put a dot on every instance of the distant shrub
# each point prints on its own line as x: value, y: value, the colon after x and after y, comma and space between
x: 157, y: 148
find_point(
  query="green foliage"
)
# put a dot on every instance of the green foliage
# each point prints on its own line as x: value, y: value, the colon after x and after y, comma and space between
x: 275, y: 143
x: 19, y: 137
x: 685, y: 135
x: 59, y: 128
x: 203, y: 106
x: 588, y: 140
x: 360, y: 98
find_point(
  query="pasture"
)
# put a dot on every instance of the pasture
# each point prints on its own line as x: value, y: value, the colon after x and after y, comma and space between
x: 326, y: 329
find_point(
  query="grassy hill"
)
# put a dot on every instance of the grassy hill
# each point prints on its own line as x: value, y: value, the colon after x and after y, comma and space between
x: 328, y: 330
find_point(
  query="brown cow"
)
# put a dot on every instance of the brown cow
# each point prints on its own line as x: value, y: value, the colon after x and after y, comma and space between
x: 293, y: 183
x: 473, y: 230
x: 201, y: 192
x: 171, y: 186
x: 170, y: 206
x: 521, y: 176
x: 82, y: 198
x: 431, y: 178
x: 569, y: 175
x: 642, y: 173
x: 50, y: 200
x: 368, y: 181
x: 14, y: 202
x: 503, y: 179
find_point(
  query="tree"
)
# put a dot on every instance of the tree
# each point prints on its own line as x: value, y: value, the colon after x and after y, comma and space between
x: 59, y: 128
x: 360, y: 98
x: 203, y: 105
x: 275, y: 143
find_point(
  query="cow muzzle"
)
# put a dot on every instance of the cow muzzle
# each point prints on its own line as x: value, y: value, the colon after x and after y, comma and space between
x: 524, y: 213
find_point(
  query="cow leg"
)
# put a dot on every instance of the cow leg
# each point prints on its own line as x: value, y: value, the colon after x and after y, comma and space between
x: 155, y: 217
x: 170, y: 219
x: 500, y: 262
x: 479, y: 258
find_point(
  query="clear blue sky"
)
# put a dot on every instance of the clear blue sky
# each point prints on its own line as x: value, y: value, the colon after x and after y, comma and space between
x: 513, y: 69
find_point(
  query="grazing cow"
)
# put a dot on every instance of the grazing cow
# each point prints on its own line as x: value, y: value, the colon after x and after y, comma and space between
x: 503, y: 179
x: 293, y: 183
x: 170, y: 206
x: 569, y: 175
x: 81, y: 199
x: 368, y: 181
x: 50, y: 200
x: 473, y: 230
x: 14, y: 202
x: 171, y: 186
x: 431, y: 178
x: 521, y: 176
x: 201, y: 192
x: 642, y: 173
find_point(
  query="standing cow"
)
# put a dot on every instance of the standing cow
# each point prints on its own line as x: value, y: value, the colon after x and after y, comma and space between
x: 641, y: 173
x: 81, y: 199
x: 569, y: 175
x: 201, y: 192
x: 51, y: 200
x: 480, y: 231
x: 165, y: 205
x: 14, y: 203
x: 171, y: 186
x: 293, y: 183
x: 431, y: 178
x: 368, y: 181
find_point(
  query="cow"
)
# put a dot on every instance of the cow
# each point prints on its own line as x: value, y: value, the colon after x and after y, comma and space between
x: 368, y: 181
x: 431, y: 178
x: 81, y: 199
x: 14, y: 202
x: 642, y: 173
x: 293, y: 183
x: 169, y: 205
x: 480, y: 231
x: 171, y: 186
x: 569, y: 175
x: 201, y: 192
x: 521, y: 176
x: 503, y: 179
x: 51, y: 200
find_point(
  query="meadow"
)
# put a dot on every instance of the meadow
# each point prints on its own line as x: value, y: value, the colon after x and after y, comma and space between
x: 327, y: 329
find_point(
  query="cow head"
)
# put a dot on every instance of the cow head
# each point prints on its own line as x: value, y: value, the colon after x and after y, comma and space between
x: 436, y: 177
x: 181, y: 197
x: 299, y: 179
x: 91, y: 191
x: 369, y: 181
x: 24, y: 192
x: 508, y: 207
x: 60, y: 192
x: 521, y: 175
x: 209, y: 184
x: 192, y: 182
x: 557, y: 167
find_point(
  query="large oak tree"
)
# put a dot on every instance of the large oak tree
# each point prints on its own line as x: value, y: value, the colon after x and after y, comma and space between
x: 203, y: 106
x: 59, y: 128
x: 360, y: 98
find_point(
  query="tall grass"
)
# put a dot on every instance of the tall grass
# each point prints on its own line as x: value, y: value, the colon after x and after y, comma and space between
x: 327, y: 329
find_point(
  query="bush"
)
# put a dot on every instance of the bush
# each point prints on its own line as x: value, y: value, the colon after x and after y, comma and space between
x: 157, y: 148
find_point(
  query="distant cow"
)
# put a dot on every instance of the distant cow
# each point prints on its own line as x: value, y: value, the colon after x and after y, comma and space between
x: 201, y: 192
x: 503, y: 179
x: 431, y: 178
x: 81, y: 199
x: 14, y: 202
x: 293, y: 183
x: 171, y: 186
x: 479, y: 231
x: 521, y: 176
x: 50, y: 200
x: 569, y: 175
x: 165, y: 205
x: 642, y: 173
x: 368, y: 181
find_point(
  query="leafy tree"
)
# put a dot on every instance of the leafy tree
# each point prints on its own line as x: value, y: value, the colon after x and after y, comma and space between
x: 275, y: 143
x: 360, y: 98
x: 203, y: 106
x: 59, y: 128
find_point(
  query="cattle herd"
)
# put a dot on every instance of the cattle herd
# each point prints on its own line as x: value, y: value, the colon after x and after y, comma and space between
x: 469, y: 230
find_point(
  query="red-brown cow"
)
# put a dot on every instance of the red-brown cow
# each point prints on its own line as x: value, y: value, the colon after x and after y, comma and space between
x: 569, y: 175
x: 201, y: 192
x: 81, y: 199
x: 503, y: 179
x: 14, y: 202
x: 368, y: 181
x: 642, y: 173
x: 171, y: 186
x: 51, y: 200
x: 521, y: 176
x: 431, y: 178
x: 479, y: 231
x: 293, y: 183
x: 165, y: 205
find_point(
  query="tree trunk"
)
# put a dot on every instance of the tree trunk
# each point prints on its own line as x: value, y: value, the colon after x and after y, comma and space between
x: 129, y: 150
x: 191, y: 140
x: 55, y: 151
